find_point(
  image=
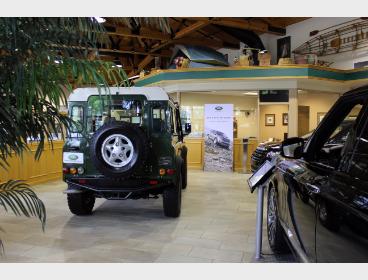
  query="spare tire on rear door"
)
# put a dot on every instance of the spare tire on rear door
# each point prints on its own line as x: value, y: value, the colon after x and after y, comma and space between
x: 118, y: 149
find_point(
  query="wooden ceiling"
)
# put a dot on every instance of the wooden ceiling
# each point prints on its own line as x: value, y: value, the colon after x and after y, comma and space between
x: 136, y: 47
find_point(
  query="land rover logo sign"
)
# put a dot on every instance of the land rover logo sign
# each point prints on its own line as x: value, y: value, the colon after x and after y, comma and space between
x: 218, y: 108
x: 69, y: 157
x: 73, y: 157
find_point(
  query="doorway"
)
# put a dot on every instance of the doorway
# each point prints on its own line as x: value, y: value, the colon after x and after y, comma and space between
x: 303, y: 120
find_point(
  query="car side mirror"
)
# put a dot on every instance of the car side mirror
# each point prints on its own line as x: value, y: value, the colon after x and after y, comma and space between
x: 292, y: 148
x: 188, y: 128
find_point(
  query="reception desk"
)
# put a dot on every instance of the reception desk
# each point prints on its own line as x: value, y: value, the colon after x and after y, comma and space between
x: 196, y: 153
x: 47, y: 168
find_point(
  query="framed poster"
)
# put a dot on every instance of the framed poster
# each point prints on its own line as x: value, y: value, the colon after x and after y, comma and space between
x: 320, y: 116
x: 270, y: 120
x: 283, y: 48
x: 285, y: 119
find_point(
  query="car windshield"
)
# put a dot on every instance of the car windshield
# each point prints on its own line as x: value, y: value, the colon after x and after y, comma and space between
x: 121, y: 109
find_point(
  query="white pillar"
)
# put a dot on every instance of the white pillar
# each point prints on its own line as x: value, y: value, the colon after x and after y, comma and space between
x: 293, y: 113
x: 178, y: 97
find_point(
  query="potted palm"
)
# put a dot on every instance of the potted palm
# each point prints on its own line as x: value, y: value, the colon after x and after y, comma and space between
x: 41, y: 59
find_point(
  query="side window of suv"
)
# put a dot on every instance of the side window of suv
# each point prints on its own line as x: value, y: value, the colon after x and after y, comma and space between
x: 358, y: 165
x: 77, y: 117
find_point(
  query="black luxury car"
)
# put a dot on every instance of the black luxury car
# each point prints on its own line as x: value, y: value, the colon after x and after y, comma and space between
x: 266, y: 150
x: 317, y: 200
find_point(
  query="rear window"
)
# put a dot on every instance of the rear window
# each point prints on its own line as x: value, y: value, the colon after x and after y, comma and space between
x: 121, y: 108
x: 159, y: 117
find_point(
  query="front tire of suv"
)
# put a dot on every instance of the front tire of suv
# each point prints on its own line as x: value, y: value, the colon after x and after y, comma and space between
x: 172, y: 198
x: 81, y: 204
x: 275, y: 233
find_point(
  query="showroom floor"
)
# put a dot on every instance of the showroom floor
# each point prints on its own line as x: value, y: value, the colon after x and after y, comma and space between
x: 217, y: 225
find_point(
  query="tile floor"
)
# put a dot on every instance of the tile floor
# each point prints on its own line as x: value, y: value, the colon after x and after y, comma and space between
x: 217, y: 225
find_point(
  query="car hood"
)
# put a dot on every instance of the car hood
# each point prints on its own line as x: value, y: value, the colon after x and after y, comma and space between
x: 270, y: 145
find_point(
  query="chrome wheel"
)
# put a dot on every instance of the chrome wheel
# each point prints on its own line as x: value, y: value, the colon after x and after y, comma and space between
x: 117, y: 150
x: 271, y: 216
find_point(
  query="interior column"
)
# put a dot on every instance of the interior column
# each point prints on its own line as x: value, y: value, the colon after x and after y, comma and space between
x: 178, y: 97
x: 293, y: 113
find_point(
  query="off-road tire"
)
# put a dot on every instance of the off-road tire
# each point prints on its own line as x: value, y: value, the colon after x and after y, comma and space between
x: 139, y: 141
x: 81, y: 204
x: 275, y: 234
x: 171, y: 197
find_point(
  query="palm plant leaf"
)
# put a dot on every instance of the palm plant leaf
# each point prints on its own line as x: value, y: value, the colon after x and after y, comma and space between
x: 17, y: 197
x: 41, y: 59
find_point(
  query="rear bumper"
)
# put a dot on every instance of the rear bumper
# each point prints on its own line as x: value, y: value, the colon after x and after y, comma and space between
x: 107, y: 185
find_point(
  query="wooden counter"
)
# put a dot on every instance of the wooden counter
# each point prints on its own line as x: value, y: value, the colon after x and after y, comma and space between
x: 196, y: 153
x: 49, y: 167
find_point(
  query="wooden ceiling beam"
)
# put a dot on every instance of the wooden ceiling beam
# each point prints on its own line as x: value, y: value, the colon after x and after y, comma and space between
x: 144, y: 33
x: 180, y: 34
x: 164, y: 53
x: 147, y: 60
x: 258, y: 26
x: 201, y: 41
x: 254, y: 24
x: 190, y: 29
x: 214, y: 31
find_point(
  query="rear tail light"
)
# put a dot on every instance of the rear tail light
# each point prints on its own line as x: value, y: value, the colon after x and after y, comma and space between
x: 65, y: 170
x: 170, y: 171
x: 82, y: 181
x: 73, y: 170
x: 80, y: 170
x: 153, y: 182
x: 162, y: 172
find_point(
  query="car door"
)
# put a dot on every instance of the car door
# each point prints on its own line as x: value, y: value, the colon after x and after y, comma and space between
x: 297, y: 206
x: 308, y: 180
x: 342, y: 224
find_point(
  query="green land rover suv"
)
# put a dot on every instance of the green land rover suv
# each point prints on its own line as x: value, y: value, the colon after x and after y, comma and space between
x: 125, y: 144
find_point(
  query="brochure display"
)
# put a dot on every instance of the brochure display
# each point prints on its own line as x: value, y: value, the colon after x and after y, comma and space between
x: 218, y: 130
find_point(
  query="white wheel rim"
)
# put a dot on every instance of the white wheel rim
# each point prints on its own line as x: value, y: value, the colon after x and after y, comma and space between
x: 117, y: 150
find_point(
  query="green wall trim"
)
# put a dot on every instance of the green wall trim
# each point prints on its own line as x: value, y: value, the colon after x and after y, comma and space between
x: 308, y: 72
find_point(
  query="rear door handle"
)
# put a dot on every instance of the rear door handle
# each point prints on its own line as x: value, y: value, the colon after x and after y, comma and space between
x: 313, y: 189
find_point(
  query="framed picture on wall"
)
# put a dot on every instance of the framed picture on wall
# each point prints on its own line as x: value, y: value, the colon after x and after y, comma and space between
x: 283, y: 48
x: 285, y: 119
x: 320, y: 116
x: 270, y: 120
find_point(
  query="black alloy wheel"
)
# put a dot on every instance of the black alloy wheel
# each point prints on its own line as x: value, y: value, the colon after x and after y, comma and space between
x: 275, y: 233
